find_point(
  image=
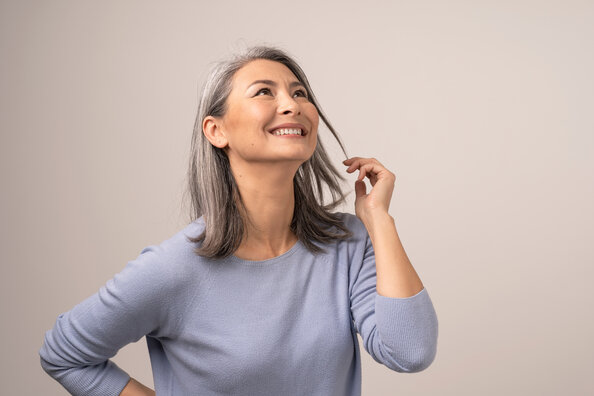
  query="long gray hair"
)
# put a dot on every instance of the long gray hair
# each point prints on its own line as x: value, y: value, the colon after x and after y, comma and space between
x: 214, y: 192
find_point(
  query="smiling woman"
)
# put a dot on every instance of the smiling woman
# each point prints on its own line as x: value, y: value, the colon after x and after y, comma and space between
x: 248, y: 106
x: 264, y: 292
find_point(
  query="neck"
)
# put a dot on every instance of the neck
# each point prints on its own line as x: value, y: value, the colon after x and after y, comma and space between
x: 268, y: 196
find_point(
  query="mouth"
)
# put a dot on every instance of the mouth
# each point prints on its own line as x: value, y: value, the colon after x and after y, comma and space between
x: 289, y: 130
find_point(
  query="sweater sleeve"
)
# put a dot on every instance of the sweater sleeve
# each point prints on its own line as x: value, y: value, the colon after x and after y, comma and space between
x: 400, y: 333
x: 76, y: 351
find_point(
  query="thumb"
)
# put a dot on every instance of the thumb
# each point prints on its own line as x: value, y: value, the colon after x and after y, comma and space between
x: 360, y: 188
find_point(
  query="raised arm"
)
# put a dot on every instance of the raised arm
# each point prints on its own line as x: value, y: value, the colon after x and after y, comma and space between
x: 396, y: 276
x: 391, y: 307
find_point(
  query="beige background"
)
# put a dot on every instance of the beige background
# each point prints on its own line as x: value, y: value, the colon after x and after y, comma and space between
x: 484, y: 110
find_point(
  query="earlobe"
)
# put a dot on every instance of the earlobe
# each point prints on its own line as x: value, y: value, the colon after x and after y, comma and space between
x: 212, y: 131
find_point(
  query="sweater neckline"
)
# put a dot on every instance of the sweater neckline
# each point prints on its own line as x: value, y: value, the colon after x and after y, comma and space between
x: 296, y: 246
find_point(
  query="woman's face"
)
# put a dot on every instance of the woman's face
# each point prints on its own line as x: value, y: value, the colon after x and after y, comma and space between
x: 256, y: 109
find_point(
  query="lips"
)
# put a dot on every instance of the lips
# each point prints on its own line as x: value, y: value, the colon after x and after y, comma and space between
x: 290, y: 125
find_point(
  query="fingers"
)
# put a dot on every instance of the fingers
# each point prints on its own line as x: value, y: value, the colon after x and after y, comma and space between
x: 355, y: 162
x: 369, y: 171
x: 381, y: 179
x: 360, y: 188
x: 369, y: 167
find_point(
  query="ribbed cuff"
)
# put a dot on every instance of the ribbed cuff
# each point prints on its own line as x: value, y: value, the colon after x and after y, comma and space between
x: 102, y: 380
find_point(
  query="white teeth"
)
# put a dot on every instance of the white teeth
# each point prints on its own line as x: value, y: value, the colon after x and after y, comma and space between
x: 287, y: 131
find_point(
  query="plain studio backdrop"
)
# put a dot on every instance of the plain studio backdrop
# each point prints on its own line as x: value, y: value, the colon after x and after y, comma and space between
x: 483, y: 110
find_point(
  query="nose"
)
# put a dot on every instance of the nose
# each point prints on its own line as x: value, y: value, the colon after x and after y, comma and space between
x: 288, y: 105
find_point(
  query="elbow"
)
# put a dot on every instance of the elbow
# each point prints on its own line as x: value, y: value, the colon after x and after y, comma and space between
x: 48, y: 367
x: 412, y: 354
x: 413, y: 360
x: 422, y: 352
x: 420, y: 360
x: 51, y: 366
x: 49, y: 359
x: 46, y: 364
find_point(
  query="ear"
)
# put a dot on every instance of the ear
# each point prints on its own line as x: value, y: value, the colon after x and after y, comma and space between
x: 211, y: 127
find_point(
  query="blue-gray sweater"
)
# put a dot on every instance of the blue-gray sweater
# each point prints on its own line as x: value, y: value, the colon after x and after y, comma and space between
x: 282, y: 326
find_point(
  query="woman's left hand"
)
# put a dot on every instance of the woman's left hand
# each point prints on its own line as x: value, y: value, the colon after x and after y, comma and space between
x: 382, y: 182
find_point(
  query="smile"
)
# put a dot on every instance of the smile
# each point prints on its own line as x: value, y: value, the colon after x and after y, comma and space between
x: 287, y: 131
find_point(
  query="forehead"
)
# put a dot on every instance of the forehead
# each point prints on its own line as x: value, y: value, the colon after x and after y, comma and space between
x: 261, y: 69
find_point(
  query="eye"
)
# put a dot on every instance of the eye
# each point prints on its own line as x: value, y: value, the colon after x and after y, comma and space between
x: 262, y: 90
x: 302, y: 93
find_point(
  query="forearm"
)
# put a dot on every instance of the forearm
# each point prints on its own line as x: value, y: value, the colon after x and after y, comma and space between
x: 396, y: 276
x: 135, y: 388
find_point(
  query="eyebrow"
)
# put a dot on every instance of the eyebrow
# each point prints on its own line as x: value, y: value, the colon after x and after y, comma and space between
x: 270, y: 82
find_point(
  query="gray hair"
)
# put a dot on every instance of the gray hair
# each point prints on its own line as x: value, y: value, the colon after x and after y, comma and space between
x: 214, y: 192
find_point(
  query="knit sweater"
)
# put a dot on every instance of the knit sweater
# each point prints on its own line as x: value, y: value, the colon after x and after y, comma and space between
x: 282, y: 326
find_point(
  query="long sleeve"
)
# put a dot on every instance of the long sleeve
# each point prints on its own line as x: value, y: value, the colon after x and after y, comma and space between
x: 76, y: 351
x: 400, y: 333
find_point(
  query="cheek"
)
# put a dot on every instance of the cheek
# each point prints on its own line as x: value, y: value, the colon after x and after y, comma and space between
x: 253, y: 116
x: 314, y: 117
x: 259, y: 114
x: 246, y: 125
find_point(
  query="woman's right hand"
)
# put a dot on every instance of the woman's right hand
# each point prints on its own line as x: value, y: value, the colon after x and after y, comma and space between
x: 135, y: 388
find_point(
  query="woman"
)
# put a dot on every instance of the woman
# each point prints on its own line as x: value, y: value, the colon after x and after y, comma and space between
x: 264, y: 291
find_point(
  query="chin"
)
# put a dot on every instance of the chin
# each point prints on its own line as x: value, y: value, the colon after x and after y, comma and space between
x: 297, y: 155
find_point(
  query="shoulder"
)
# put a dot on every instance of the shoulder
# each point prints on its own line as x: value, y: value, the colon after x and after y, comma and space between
x: 178, y: 247
x: 166, y: 265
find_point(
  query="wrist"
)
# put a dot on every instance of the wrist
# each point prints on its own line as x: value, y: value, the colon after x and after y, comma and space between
x: 376, y: 220
x: 135, y: 388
